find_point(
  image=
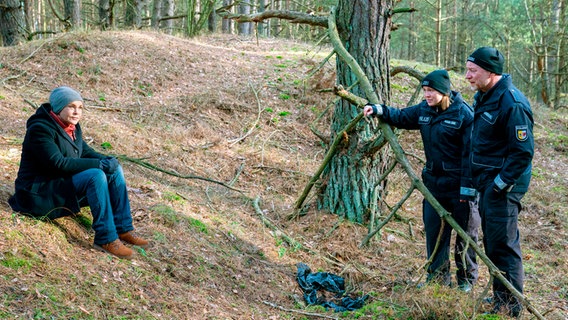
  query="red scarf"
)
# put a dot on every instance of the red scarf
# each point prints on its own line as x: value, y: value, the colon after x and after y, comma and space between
x: 68, y: 128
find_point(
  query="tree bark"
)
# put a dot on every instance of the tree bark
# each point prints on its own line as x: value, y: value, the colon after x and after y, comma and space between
x: 226, y: 22
x: 244, y: 27
x: 73, y: 13
x: 11, y: 22
x: 167, y: 10
x: 104, y: 14
x: 352, y: 176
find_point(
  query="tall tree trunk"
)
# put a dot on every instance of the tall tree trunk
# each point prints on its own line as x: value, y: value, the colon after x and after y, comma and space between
x: 438, y: 31
x: 353, y: 176
x: 411, y: 55
x: 261, y: 27
x: 156, y: 13
x: 167, y: 10
x: 11, y: 22
x: 226, y: 23
x: 73, y: 13
x: 244, y: 27
x: 212, y: 21
x: 561, y: 64
x: 104, y: 17
x: 28, y: 15
x: 129, y: 13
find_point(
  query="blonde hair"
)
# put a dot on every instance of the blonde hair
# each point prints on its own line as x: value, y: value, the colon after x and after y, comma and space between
x: 445, y: 102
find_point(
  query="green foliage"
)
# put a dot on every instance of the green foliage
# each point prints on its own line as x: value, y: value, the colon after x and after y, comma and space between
x: 83, y: 221
x: 396, y: 86
x: 284, y: 96
x: 95, y: 70
x: 198, y: 225
x: 106, y: 145
x: 171, y: 196
x: 281, y: 252
x: 16, y: 263
x: 170, y: 216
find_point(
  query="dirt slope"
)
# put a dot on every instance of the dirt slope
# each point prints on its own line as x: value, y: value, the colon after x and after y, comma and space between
x: 236, y: 111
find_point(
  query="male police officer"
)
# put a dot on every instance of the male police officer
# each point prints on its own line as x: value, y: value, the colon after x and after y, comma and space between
x: 502, y: 148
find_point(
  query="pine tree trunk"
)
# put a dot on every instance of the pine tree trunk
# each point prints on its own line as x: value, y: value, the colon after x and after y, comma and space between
x: 73, y: 13
x: 226, y: 23
x: 353, y: 176
x: 11, y: 22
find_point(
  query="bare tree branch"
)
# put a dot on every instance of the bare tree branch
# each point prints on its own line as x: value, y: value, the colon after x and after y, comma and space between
x: 292, y: 16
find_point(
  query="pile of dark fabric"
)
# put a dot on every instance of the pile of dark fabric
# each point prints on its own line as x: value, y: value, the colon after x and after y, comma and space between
x: 311, y: 283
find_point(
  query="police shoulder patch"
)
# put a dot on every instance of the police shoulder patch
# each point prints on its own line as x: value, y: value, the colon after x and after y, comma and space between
x: 522, y: 132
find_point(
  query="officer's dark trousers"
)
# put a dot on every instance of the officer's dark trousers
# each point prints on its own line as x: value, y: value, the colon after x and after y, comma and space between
x: 467, y: 216
x: 499, y: 216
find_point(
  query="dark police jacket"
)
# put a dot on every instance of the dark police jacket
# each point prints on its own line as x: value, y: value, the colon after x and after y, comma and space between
x: 502, y: 139
x: 49, y: 159
x: 445, y: 136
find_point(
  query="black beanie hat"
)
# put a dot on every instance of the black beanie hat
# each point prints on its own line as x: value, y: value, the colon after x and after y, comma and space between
x: 489, y: 59
x: 438, y: 80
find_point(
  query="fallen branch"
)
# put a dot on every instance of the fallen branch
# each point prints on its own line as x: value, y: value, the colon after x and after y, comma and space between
x: 299, y: 311
x: 173, y: 173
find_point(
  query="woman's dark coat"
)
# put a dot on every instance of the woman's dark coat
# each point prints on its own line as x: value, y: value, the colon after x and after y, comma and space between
x: 446, y: 137
x: 49, y: 159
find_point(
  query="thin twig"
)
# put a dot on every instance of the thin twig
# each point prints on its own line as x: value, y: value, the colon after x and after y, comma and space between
x: 291, y: 241
x: 387, y: 219
x: 299, y: 311
x: 260, y: 109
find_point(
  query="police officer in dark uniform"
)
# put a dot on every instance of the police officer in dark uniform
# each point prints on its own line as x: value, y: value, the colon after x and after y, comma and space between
x: 502, y: 148
x: 444, y: 121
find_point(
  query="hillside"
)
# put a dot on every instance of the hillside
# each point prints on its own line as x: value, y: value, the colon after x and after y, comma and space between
x: 237, y: 111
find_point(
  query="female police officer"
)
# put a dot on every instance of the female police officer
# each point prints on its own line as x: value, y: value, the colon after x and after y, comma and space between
x: 444, y: 121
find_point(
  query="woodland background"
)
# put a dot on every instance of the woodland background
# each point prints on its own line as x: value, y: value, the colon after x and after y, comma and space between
x: 532, y: 34
x: 240, y: 103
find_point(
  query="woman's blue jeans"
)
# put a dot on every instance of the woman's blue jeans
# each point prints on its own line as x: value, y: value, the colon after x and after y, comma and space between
x: 107, y: 196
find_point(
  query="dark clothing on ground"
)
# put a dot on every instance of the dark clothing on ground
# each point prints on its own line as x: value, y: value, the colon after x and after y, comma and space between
x: 445, y: 135
x: 501, y: 155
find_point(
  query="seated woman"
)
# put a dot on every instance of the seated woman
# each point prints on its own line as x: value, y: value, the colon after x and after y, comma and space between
x: 59, y: 172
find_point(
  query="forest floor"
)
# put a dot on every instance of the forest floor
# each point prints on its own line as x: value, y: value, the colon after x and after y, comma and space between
x: 236, y: 111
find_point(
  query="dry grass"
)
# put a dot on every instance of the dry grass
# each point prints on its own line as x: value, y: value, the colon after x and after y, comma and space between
x: 180, y: 105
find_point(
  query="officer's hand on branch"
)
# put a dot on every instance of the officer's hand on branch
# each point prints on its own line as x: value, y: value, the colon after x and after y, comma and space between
x: 372, y: 109
x: 109, y: 165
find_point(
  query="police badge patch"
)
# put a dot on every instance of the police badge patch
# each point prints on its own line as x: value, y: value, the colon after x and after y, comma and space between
x: 522, y: 132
